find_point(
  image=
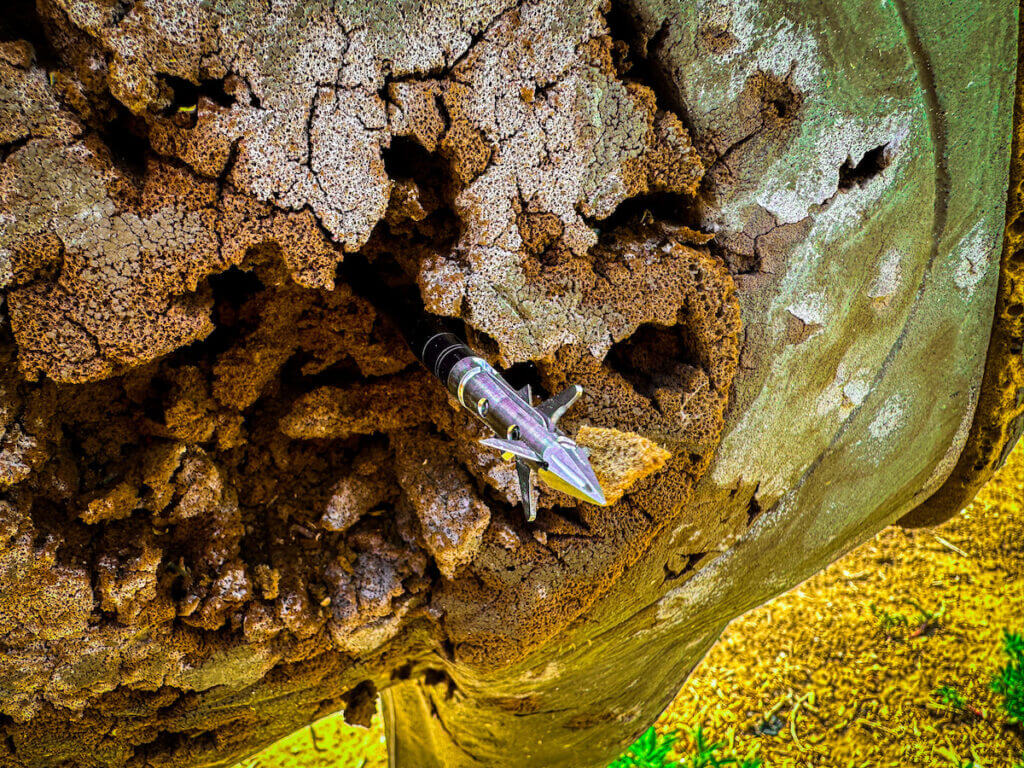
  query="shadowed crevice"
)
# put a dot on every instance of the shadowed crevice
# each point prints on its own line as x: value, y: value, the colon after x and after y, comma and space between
x: 871, y: 165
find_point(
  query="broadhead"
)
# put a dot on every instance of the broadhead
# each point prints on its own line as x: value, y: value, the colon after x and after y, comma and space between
x: 567, y: 469
x: 510, y: 448
x: 557, y: 405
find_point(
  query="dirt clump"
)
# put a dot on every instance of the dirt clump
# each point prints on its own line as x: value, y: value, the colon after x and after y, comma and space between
x: 229, y: 496
x: 620, y: 459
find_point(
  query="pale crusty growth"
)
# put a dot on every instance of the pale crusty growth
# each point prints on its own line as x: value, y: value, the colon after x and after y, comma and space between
x: 103, y: 270
x: 620, y: 459
x: 232, y: 499
x: 306, y: 124
x: 38, y: 112
x: 127, y: 271
x: 629, y: 148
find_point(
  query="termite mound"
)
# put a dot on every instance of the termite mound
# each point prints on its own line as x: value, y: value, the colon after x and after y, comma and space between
x: 223, y: 475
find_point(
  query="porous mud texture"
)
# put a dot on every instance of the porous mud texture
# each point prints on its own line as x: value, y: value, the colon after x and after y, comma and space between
x: 832, y: 632
x: 230, y: 499
x: 620, y: 459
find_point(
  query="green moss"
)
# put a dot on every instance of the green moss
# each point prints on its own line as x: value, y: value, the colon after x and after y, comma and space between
x: 328, y: 742
x: 654, y: 750
x: 1008, y: 682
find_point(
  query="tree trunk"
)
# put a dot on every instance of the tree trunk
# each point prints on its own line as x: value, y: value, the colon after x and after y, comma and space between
x: 764, y: 236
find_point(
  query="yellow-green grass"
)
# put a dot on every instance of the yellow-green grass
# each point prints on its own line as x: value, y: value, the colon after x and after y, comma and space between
x: 329, y: 743
x: 846, y: 685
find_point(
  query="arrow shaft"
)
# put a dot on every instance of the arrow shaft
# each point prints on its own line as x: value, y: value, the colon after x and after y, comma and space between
x: 530, y: 434
x: 483, y: 391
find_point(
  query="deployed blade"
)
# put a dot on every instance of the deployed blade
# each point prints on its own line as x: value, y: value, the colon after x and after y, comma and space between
x: 558, y: 404
x: 510, y: 446
x: 526, y: 489
x: 527, y: 394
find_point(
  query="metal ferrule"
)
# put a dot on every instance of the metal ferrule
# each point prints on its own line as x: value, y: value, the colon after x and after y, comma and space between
x: 482, y: 391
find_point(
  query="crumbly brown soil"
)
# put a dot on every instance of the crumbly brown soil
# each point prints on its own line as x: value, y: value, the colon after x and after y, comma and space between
x: 866, y: 698
x: 229, y: 497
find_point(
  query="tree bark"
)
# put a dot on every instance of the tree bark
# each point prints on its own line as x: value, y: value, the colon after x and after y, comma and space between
x: 765, y: 236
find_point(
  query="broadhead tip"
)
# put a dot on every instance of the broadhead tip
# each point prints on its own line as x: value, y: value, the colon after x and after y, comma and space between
x: 568, y: 470
x: 591, y: 492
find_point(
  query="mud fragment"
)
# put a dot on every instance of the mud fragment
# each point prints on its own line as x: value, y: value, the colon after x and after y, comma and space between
x: 620, y: 459
x: 382, y: 406
x: 451, y: 515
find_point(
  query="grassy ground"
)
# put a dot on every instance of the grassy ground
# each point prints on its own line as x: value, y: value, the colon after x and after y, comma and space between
x: 329, y: 743
x: 846, y: 669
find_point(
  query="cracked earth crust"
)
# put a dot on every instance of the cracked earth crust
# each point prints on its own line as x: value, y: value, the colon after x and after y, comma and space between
x: 225, y: 478
x: 230, y: 499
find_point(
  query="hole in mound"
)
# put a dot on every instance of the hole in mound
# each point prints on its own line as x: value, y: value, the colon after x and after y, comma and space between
x: 419, y: 220
x: 783, y: 107
x: 419, y: 224
x: 640, y: 64
x: 675, y: 570
x: 407, y: 159
x: 343, y: 373
x: 231, y: 290
x: 422, y: 194
x: 180, y: 579
x: 873, y: 163
x: 753, y: 507
x: 385, y: 284
x: 780, y: 103
x: 654, y: 357
x: 642, y: 210
x: 521, y: 374
x: 404, y: 672
x: 186, y: 94
x: 127, y: 139
x: 637, y: 61
x: 6, y: 150
x: 152, y: 404
x: 120, y: 10
x: 20, y: 21
x: 483, y: 343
